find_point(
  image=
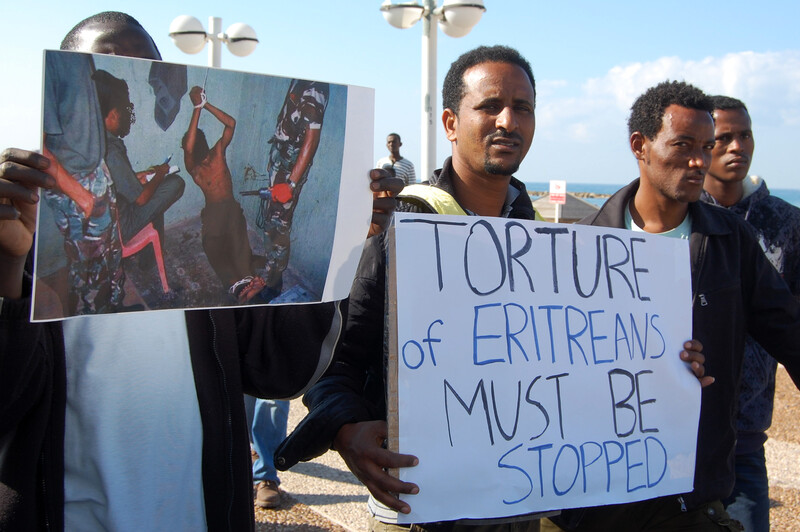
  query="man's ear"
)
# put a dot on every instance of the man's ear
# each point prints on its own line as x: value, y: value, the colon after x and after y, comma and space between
x: 450, y: 120
x: 112, y: 120
x: 638, y: 145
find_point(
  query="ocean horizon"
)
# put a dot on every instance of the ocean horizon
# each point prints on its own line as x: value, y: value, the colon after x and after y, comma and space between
x: 789, y: 195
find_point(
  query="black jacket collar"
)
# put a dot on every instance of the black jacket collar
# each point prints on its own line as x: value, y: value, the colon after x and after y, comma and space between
x: 521, y: 207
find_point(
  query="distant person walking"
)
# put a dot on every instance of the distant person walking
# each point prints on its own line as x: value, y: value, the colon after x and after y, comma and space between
x: 403, y: 168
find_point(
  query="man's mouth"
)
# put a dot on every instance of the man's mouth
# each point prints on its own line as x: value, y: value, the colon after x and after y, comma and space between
x: 506, y: 140
x: 737, y: 162
x: 696, y: 178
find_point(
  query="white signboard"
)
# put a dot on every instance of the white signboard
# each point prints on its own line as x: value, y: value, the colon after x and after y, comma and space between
x: 558, y: 192
x: 537, y: 365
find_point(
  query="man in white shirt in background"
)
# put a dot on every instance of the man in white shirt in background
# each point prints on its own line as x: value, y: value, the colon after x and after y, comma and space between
x: 403, y: 168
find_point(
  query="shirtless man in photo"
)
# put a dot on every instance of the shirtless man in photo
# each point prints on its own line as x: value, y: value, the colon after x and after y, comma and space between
x: 224, y: 228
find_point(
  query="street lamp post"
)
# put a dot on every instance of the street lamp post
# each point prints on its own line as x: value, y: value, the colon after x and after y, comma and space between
x: 188, y: 34
x: 456, y: 18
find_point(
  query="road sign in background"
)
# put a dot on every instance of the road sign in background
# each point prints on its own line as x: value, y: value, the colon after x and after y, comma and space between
x: 558, y: 192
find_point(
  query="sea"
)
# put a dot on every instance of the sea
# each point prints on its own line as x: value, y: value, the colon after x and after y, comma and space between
x: 787, y: 194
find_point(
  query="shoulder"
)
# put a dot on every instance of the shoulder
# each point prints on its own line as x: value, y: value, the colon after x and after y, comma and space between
x: 711, y: 219
x: 782, y: 208
x: 113, y: 142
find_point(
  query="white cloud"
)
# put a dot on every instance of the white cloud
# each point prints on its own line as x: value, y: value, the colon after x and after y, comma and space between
x: 769, y: 83
x: 581, y: 129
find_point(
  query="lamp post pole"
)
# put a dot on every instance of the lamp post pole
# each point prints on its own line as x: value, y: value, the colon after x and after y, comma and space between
x: 215, y: 43
x: 427, y: 120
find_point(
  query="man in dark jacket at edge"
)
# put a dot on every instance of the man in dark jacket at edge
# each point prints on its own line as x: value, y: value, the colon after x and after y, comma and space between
x: 489, y: 98
x: 265, y: 351
x: 736, y: 291
x: 777, y: 227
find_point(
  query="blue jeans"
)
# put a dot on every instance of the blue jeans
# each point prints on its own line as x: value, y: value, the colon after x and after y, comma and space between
x: 749, y: 502
x: 268, y: 429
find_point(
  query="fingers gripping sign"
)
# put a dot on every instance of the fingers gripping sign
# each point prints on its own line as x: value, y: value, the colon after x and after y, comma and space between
x: 361, y: 447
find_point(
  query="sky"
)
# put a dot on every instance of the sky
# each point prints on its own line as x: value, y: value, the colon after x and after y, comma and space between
x: 591, y: 59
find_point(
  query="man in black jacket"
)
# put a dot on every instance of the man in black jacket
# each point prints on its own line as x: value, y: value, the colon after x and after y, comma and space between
x: 735, y: 291
x: 489, y: 97
x: 47, y: 377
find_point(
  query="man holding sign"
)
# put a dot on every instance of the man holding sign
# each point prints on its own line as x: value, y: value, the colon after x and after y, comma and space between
x: 735, y: 291
x: 489, y: 97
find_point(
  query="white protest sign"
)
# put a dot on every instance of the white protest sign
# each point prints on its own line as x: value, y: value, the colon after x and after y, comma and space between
x: 537, y: 365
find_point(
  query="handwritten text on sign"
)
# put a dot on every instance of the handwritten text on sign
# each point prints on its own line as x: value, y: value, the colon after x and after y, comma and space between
x: 538, y: 365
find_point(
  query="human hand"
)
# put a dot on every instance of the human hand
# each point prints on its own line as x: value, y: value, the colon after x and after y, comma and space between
x: 384, y: 188
x: 692, y: 354
x: 198, y: 96
x: 161, y: 170
x: 21, y: 172
x: 361, y: 447
x: 282, y: 192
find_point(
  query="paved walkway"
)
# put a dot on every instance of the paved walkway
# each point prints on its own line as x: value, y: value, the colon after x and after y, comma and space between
x: 327, y: 487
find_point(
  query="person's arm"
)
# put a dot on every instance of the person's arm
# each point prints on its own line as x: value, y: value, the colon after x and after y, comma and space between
x: 149, y: 187
x: 21, y: 172
x: 28, y: 361
x: 306, y: 155
x: 227, y: 120
x: 69, y: 186
x: 197, y: 96
x: 773, y: 312
x: 283, y: 192
x: 346, y: 407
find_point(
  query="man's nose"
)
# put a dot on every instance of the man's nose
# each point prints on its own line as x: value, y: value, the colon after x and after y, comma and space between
x: 700, y: 159
x: 506, y: 119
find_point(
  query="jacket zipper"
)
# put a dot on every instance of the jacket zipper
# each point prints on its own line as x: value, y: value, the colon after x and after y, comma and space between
x: 229, y: 420
x: 701, y: 256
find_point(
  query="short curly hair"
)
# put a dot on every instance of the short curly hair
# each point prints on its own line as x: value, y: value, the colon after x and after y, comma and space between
x: 112, y: 93
x: 726, y: 103
x: 72, y: 39
x: 647, y: 112
x: 453, y: 89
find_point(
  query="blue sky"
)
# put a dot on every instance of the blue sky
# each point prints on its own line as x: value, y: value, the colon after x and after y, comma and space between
x: 591, y: 59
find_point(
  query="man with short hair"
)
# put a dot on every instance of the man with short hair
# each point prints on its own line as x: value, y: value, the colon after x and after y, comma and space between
x: 136, y: 421
x: 735, y: 291
x: 489, y: 95
x: 142, y: 197
x: 777, y: 227
x: 403, y: 168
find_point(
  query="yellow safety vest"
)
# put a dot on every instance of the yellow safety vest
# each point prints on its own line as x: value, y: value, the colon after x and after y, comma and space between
x: 434, y: 197
x: 438, y: 200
